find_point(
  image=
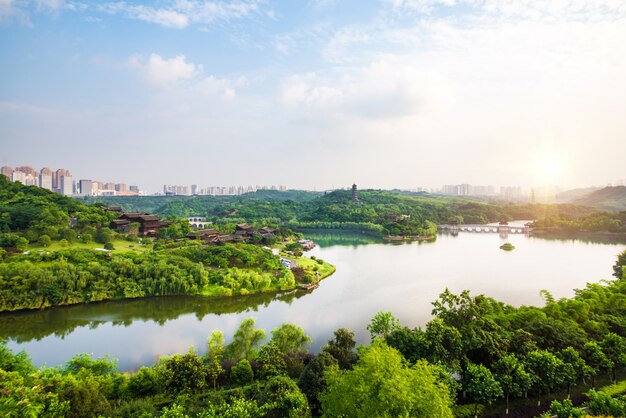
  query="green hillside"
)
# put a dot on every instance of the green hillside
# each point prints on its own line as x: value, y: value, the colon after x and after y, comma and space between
x: 608, y: 199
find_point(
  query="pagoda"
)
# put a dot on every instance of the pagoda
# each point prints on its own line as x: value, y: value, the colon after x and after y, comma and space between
x: 355, y: 194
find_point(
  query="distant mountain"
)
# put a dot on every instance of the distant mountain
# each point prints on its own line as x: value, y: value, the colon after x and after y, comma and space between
x: 570, y: 196
x: 609, y: 199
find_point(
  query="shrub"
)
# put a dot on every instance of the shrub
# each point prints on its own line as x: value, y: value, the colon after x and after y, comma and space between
x: 241, y: 373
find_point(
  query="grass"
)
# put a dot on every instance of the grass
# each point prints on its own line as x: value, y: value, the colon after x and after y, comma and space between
x: 615, y: 389
x: 119, y: 246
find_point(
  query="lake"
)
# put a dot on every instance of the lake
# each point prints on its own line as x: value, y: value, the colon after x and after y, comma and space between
x: 371, y: 276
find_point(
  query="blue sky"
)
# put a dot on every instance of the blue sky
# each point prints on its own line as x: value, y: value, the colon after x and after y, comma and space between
x: 317, y: 93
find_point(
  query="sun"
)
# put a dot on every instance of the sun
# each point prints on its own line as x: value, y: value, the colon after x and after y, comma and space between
x: 548, y: 168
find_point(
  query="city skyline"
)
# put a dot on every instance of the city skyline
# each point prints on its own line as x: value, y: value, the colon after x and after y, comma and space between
x: 390, y: 93
x: 54, y: 179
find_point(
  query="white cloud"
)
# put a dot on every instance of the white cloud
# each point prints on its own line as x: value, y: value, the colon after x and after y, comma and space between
x: 162, y: 71
x: 182, y: 13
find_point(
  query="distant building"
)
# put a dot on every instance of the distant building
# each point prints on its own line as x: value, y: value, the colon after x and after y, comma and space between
x: 66, y: 185
x: 355, y: 193
x: 56, y: 179
x: 85, y: 187
x: 109, y: 185
x: 133, y: 189
x: 27, y: 170
x: 194, y: 189
x: 45, y: 179
x: 175, y: 190
x: 6, y: 171
x: 121, y: 187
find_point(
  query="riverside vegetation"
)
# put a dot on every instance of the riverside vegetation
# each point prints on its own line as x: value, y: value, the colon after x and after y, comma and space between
x: 48, y: 261
x: 475, y: 354
x: 379, y: 213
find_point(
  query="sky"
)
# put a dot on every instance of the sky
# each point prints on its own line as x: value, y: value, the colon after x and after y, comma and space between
x: 316, y: 94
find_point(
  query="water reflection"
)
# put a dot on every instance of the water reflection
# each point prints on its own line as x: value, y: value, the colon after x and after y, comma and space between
x: 371, y: 276
x: 25, y: 326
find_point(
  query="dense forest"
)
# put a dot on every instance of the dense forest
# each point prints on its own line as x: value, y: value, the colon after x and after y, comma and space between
x: 475, y: 356
x: 377, y: 212
x: 57, y: 251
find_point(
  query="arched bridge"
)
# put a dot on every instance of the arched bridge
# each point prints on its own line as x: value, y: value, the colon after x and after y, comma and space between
x: 502, y: 229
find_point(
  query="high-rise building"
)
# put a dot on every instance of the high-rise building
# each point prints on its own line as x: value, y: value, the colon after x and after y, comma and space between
x: 97, y: 186
x: 18, y: 176
x: 85, y: 187
x: 121, y: 187
x: 66, y: 185
x: 194, y: 189
x: 6, y: 171
x: 27, y: 170
x: 109, y: 185
x: 133, y: 189
x: 45, y: 178
x: 56, y: 179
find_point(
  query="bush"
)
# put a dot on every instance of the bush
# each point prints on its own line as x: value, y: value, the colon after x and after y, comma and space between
x: 45, y: 240
x: 109, y: 246
x: 241, y: 374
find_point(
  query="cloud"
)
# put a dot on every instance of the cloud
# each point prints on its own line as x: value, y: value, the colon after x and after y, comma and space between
x: 182, y: 13
x: 162, y: 71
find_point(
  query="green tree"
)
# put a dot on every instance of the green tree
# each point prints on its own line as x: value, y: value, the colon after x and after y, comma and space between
x: 480, y: 385
x: 45, y: 240
x: 596, y: 360
x: 235, y: 408
x: 565, y: 409
x: 312, y: 381
x: 214, y: 356
x: 602, y: 404
x: 290, y: 338
x: 382, y: 324
x: 614, y: 347
x: 381, y: 384
x: 245, y: 341
x: 272, y: 361
x: 545, y: 371
x: 242, y: 373
x: 513, y: 379
x: 342, y: 348
x: 570, y: 356
x: 619, y: 266
x: 183, y: 374
x: 281, y: 397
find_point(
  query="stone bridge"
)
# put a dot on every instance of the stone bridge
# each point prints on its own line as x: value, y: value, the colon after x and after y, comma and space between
x: 502, y: 229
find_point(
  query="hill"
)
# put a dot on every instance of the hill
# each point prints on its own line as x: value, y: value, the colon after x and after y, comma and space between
x: 570, y: 196
x: 611, y: 199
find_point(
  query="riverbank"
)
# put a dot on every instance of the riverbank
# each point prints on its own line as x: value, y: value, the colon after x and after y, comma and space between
x: 39, y: 279
x: 563, y: 233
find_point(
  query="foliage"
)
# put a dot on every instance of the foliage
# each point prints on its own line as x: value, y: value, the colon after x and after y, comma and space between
x: 283, y: 398
x: 245, y: 341
x: 342, y: 348
x: 601, y: 403
x: 214, y: 356
x: 290, y: 338
x: 565, y: 409
x: 382, y: 324
x: 241, y: 373
x: 382, y: 384
x: 312, y: 381
x: 183, y: 374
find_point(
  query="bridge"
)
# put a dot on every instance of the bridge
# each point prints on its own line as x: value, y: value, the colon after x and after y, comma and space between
x: 502, y: 229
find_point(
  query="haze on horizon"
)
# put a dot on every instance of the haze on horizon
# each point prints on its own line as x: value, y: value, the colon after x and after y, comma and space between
x: 316, y: 94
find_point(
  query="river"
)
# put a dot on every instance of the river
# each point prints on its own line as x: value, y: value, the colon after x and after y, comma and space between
x: 371, y: 276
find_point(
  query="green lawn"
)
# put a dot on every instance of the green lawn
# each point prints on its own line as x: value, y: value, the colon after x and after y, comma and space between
x: 119, y: 246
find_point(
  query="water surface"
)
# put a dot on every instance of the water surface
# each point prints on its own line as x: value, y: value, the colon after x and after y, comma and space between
x: 371, y: 276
